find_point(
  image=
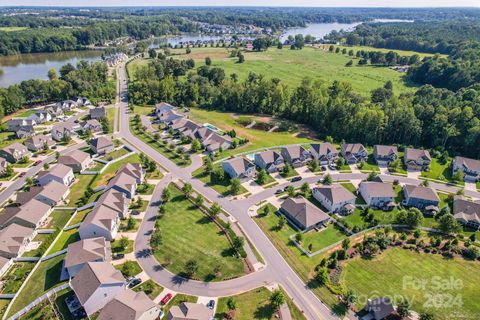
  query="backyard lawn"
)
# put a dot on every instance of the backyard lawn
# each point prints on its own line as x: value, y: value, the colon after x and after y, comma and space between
x: 150, y: 287
x: 64, y: 239
x: 115, y: 154
x: 102, y: 179
x: 117, y: 248
x: 80, y: 216
x: 15, y: 276
x: 386, y: 275
x: 255, y: 304
x: 59, y: 218
x: 222, y: 187
x: 129, y: 268
x: 44, y: 278
x: 189, y: 235
x: 321, y: 239
x: 77, y: 189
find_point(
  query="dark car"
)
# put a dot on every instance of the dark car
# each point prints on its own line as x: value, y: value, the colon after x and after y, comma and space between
x: 22, y: 174
x: 323, y: 168
x: 118, y: 256
x: 211, y: 304
x: 134, y: 283
x: 37, y: 162
x: 278, y: 191
x: 296, y: 179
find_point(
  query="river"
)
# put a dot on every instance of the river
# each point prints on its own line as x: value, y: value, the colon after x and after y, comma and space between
x: 36, y: 65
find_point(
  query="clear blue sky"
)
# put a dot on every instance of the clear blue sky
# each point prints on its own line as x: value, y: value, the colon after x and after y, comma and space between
x: 298, y: 3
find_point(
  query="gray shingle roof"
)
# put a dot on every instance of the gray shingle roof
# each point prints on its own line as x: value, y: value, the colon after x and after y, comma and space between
x: 304, y: 211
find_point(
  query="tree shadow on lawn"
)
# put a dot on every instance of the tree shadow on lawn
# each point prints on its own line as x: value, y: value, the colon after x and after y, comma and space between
x: 52, y: 275
x: 229, y: 252
x: 204, y: 220
x: 264, y: 312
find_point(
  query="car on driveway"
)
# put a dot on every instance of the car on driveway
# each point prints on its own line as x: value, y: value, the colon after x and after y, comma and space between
x: 118, y: 256
x: 165, y: 299
x: 296, y: 179
x: 278, y: 191
x: 211, y: 304
x: 134, y: 282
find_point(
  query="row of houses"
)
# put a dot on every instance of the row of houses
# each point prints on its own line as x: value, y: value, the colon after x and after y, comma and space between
x: 24, y: 127
x: 211, y: 140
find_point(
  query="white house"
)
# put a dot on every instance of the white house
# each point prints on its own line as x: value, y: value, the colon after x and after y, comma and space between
x: 377, y: 194
x: 335, y: 198
x: 60, y: 173
x: 239, y: 167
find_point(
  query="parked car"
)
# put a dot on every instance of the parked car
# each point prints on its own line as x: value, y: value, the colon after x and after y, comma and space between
x: 135, y: 212
x: 36, y: 163
x: 323, y: 168
x: 161, y: 315
x: 332, y: 167
x: 278, y: 191
x: 134, y: 282
x: 295, y: 179
x: 165, y: 299
x: 211, y: 304
x: 118, y: 256
x: 22, y: 174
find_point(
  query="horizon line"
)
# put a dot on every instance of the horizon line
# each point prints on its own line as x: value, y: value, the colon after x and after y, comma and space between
x: 236, y: 6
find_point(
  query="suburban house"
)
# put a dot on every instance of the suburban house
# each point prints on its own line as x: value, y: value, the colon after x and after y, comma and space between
x: 239, y: 167
x: 97, y: 113
x: 77, y: 160
x: 147, y: 124
x: 32, y: 214
x: 269, y: 160
x: 130, y: 305
x: 41, y: 116
x: 104, y: 219
x: 417, y: 159
x: 133, y: 169
x: 377, y: 194
x: 92, y: 125
x: 469, y: 167
x: 96, y: 284
x: 14, y: 239
x: 216, y: 142
x: 385, y: 154
x: 39, y: 142
x: 54, y: 110
x: 61, y: 130
x: 16, y: 123
x: 184, y: 127
x: 168, y: 116
x: 81, y: 101
x: 67, y: 105
x: 189, y: 311
x: 420, y: 197
x: 25, y: 132
x: 466, y: 212
x: 51, y: 194
x: 102, y: 145
x: 15, y: 152
x: 324, y: 153
x: 297, y: 156
x: 335, y: 198
x: 115, y: 200
x: 163, y: 107
x: 354, y: 152
x: 124, y: 183
x: 304, y: 214
x: 3, y: 165
x: 87, y: 250
x: 60, y: 173
x: 380, y: 308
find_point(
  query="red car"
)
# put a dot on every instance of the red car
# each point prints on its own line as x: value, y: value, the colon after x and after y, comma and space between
x: 22, y: 174
x: 37, y: 162
x: 165, y: 299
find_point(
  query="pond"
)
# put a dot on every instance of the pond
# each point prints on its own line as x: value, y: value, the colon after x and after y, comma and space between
x: 318, y: 30
x: 22, y: 67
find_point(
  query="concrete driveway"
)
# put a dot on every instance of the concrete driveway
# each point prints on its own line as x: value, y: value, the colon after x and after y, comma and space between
x: 252, y: 186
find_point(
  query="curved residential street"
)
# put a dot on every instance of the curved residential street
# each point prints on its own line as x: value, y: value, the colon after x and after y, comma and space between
x: 276, y: 270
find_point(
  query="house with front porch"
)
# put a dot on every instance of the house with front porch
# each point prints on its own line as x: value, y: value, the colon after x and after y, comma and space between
x: 303, y: 214
x: 335, y: 198
x: 417, y: 159
x: 354, y: 152
x: 269, y: 160
x: 467, y: 212
x: 420, y: 197
x: 239, y: 167
x: 324, y: 153
x: 377, y: 194
x: 297, y: 156
x: 385, y: 154
x: 14, y: 239
x: 15, y: 152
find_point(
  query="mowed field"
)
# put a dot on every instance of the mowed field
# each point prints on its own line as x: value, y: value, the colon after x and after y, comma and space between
x: 450, y: 286
x: 291, y: 66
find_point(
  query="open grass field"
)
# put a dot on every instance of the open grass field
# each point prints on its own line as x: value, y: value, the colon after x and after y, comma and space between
x: 259, y: 139
x: 386, y: 275
x: 189, y: 235
x: 255, y: 304
x: 321, y: 239
x: 291, y: 66
x: 366, y: 48
x: 11, y: 29
x: 44, y: 278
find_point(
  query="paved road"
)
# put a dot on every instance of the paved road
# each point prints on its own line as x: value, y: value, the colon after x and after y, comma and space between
x: 277, y: 269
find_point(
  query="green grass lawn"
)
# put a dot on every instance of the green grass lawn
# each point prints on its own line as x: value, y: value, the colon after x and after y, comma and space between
x: 143, y: 110
x: 255, y: 304
x: 145, y: 188
x: 150, y: 287
x: 77, y: 189
x: 7, y: 138
x: 383, y: 217
x: 439, y: 171
x: 291, y: 66
x: 15, y: 276
x: 129, y: 268
x: 64, y: 239
x: 258, y: 139
x: 44, y: 310
x: 80, y: 216
x: 3, y: 306
x: 44, y: 278
x: 124, y: 224
x: 350, y: 187
x: 61, y: 305
x: 116, y: 248
x: 115, y: 154
x: 222, y: 187
x: 11, y: 29
x: 289, y: 174
x: 109, y: 173
x: 23, y: 164
x: 370, y: 165
x: 323, y: 238
x: 400, y: 52
x: 189, y: 235
x: 384, y: 275
x: 59, y: 218
x: 140, y: 207
x: 110, y: 112
x: 268, y: 180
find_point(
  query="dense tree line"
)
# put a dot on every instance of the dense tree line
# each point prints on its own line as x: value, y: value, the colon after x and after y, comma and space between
x: 431, y: 117
x: 86, y: 79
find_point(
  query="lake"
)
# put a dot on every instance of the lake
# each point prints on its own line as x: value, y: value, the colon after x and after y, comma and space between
x: 318, y: 30
x: 36, y: 65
